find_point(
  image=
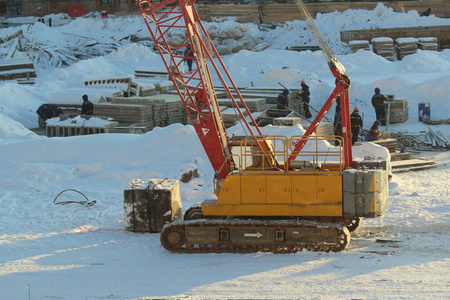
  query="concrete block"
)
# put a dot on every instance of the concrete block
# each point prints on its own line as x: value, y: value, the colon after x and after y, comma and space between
x: 151, y: 203
x: 365, y: 193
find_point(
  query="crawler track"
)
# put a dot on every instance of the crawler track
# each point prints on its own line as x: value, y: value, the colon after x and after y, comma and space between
x: 247, y: 236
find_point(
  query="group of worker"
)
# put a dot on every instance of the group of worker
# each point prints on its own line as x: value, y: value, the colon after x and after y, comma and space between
x: 48, y: 111
x: 355, y: 119
x: 283, y: 102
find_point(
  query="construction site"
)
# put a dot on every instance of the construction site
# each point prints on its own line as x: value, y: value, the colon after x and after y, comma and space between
x: 226, y: 137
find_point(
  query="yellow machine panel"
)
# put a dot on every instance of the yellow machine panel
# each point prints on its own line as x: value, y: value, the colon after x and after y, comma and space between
x: 231, y: 190
x: 253, y: 189
x: 279, y: 189
x: 329, y: 189
x: 304, y: 189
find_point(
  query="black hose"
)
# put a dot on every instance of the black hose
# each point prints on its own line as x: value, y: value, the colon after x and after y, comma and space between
x: 86, y: 203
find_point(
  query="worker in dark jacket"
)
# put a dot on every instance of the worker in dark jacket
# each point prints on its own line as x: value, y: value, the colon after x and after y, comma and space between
x: 189, y: 56
x: 426, y: 13
x: 378, y: 103
x: 357, y: 123
x: 282, y: 101
x: 306, y: 99
x: 374, y: 133
x: 87, y: 108
x: 48, y: 111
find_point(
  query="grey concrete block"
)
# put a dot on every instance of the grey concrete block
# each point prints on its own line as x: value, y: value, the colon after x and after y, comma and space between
x: 150, y: 204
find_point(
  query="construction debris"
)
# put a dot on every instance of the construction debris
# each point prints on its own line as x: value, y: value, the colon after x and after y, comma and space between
x: 428, y: 141
x: 50, y: 55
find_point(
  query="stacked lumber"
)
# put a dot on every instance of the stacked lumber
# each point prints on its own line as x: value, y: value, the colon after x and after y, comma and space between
x: 359, y: 45
x: 405, y: 46
x: 428, y: 43
x: 383, y: 46
x: 127, y: 114
x: 253, y: 104
x: 399, y: 110
x: 16, y: 68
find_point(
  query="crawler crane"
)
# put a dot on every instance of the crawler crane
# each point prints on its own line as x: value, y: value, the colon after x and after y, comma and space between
x: 274, y: 193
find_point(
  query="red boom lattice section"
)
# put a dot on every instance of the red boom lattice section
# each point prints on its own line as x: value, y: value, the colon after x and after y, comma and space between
x: 194, y: 87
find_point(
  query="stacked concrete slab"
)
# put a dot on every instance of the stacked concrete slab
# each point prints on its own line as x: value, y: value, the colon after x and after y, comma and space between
x: 230, y: 116
x: 127, y: 114
x: 428, y: 43
x: 324, y: 129
x: 358, y: 45
x: 253, y: 104
x: 405, y: 46
x: 399, y: 110
x: 383, y: 46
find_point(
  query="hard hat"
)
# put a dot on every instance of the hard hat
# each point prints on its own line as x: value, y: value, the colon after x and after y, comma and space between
x: 356, y: 109
x: 302, y: 83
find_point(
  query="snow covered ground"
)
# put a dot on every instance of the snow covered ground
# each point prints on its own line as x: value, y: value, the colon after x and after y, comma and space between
x: 50, y: 251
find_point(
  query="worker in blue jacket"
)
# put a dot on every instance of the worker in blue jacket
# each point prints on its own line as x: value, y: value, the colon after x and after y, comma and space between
x: 48, y: 111
x: 282, y: 100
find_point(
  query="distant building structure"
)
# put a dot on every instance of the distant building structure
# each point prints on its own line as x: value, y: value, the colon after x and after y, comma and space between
x: 265, y: 9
